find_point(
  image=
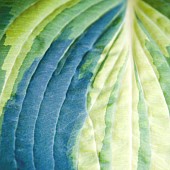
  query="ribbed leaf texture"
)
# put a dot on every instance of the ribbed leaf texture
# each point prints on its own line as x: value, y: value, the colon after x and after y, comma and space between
x: 84, y: 84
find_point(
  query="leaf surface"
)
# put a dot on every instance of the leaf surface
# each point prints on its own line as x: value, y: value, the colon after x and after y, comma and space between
x: 85, y: 84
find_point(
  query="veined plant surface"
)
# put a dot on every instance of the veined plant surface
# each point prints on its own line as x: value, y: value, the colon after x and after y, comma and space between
x: 85, y: 84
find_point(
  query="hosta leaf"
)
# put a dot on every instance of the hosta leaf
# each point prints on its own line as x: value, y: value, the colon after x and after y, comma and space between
x: 85, y: 84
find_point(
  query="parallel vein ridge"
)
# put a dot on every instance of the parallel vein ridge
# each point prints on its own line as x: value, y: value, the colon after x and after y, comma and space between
x: 85, y: 85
